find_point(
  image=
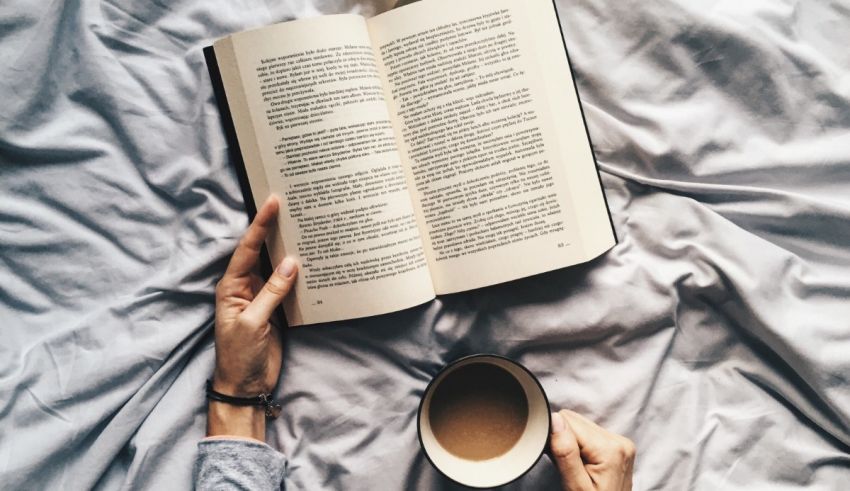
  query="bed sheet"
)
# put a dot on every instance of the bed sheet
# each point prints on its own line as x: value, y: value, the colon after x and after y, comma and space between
x: 716, y: 334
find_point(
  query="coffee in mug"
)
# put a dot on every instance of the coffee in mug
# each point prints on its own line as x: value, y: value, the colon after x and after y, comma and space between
x: 484, y: 421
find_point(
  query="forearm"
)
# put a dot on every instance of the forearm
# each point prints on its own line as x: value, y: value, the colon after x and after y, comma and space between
x: 238, y: 464
x: 239, y: 421
x: 234, y: 455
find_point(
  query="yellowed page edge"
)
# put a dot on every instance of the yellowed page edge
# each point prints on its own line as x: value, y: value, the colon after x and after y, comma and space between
x: 231, y: 79
x: 585, y: 189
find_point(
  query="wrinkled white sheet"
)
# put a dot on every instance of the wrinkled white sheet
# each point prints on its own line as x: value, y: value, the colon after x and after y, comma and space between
x: 716, y: 334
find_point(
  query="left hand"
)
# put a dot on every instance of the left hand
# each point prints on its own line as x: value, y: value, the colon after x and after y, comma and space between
x: 248, y: 348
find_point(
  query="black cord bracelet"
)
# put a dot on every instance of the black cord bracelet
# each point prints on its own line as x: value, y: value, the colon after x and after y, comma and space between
x: 263, y: 400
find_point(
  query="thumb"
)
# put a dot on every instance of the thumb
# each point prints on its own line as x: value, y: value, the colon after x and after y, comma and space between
x: 567, y: 456
x: 273, y: 292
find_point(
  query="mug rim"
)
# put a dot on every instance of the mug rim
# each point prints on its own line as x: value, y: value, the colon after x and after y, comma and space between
x: 450, y: 365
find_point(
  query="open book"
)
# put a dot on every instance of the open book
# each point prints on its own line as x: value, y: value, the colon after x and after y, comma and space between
x: 435, y: 148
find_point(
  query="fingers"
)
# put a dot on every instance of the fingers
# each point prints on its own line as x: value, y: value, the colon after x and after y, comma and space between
x: 598, y: 444
x: 272, y: 293
x: 248, y: 250
x: 589, y: 435
x: 567, y: 455
x: 611, y: 455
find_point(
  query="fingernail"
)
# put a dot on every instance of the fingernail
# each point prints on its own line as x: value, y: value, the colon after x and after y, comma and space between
x: 287, y: 267
x: 557, y: 423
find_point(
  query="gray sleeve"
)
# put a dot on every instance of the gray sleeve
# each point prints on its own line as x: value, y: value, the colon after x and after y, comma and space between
x: 238, y: 464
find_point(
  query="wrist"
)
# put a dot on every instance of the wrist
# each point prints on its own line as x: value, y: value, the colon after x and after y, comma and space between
x: 239, y: 387
x: 243, y: 421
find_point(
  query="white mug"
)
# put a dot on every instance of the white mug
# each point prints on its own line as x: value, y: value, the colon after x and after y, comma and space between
x: 501, y: 469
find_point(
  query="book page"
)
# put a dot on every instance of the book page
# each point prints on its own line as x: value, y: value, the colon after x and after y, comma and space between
x: 493, y: 139
x: 313, y: 126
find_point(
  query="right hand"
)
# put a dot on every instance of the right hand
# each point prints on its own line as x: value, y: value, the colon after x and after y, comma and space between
x: 588, y: 457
